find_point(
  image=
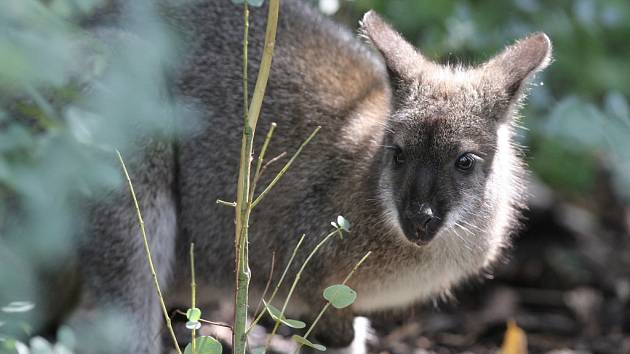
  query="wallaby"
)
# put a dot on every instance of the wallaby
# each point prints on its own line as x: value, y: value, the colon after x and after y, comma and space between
x: 418, y: 156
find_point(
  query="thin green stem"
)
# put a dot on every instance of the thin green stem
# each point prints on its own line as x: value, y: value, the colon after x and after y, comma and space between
x: 294, y: 285
x: 265, y: 63
x: 243, y: 276
x: 284, y: 169
x: 244, y: 205
x: 275, y: 290
x: 147, y: 250
x: 245, y: 59
x: 323, y: 310
x: 261, y: 157
x: 264, y: 293
x: 193, y: 291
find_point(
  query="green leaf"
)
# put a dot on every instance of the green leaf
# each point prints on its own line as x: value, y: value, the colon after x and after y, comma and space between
x: 340, y: 295
x: 188, y: 349
x: 308, y: 343
x: 193, y: 325
x: 256, y: 3
x: 66, y: 336
x: 343, y: 223
x: 278, y: 316
x: 193, y: 314
x: 294, y: 323
x: 205, y: 345
x: 259, y: 350
x: 18, y: 306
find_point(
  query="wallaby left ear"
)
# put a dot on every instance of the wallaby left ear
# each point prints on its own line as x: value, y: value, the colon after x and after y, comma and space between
x: 402, y: 59
x: 517, y: 63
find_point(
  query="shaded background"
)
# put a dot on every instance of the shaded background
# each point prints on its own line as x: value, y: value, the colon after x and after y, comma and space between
x: 66, y: 97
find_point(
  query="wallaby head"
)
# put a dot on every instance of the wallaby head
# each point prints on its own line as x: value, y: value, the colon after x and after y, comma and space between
x: 447, y: 158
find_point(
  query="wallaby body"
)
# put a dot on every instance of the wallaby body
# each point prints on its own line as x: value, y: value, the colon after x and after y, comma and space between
x: 391, y: 157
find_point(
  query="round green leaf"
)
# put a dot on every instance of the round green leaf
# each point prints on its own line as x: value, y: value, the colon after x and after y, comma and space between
x: 193, y: 325
x: 343, y: 223
x: 340, y: 295
x: 205, y: 345
x: 278, y: 316
x: 308, y: 343
x: 193, y: 314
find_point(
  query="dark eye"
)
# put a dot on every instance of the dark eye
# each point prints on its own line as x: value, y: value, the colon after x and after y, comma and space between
x: 398, y: 155
x: 465, y: 162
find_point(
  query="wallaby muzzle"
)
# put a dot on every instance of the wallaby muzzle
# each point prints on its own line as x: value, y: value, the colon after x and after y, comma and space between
x: 421, y: 223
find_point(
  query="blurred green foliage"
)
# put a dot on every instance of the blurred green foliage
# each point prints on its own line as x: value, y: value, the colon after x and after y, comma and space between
x: 69, y: 96
x: 577, y: 116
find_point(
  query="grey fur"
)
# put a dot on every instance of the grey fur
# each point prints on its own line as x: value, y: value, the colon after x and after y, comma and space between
x: 321, y: 75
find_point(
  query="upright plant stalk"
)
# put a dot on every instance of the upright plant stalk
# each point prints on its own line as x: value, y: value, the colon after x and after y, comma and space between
x: 243, y: 201
x: 193, y: 291
x: 147, y: 250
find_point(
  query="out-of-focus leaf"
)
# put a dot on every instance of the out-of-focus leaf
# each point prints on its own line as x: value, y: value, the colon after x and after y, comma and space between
x: 256, y: 3
x: 514, y: 341
x: 18, y: 306
x: 193, y: 325
x: 277, y: 315
x: 205, y: 345
x: 308, y: 343
x: 193, y: 314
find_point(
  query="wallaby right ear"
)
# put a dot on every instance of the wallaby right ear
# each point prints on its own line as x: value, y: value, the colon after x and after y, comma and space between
x: 401, y: 58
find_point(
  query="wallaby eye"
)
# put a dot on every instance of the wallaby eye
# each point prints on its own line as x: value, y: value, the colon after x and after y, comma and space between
x: 399, y: 156
x: 465, y: 162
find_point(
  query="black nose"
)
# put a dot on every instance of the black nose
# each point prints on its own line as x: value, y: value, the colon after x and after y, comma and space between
x: 424, y: 223
x: 425, y: 217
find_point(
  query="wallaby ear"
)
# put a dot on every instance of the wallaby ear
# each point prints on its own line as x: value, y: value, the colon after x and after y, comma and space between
x: 517, y: 63
x: 402, y: 58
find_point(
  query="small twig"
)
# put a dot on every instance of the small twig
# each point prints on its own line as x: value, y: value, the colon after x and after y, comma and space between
x: 269, y: 278
x: 321, y: 313
x: 285, y: 168
x: 220, y: 324
x: 148, y: 254
x: 193, y: 290
x: 293, y: 286
x: 261, y: 157
x: 171, y: 316
x: 264, y: 168
x: 223, y: 202
x: 275, y: 290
